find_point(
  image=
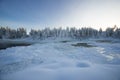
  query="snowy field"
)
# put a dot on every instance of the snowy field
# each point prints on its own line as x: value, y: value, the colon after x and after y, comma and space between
x: 62, y: 60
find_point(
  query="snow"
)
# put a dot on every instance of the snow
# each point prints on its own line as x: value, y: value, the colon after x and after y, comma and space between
x: 54, y: 60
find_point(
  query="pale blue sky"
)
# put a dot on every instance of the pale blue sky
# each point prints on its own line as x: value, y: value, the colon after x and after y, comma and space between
x: 59, y: 13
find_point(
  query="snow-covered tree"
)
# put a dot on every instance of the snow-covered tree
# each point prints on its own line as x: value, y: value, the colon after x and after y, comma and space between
x: 6, y: 32
x: 21, y: 33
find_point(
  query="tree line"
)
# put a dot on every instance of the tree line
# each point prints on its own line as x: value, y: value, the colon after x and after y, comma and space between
x: 8, y: 33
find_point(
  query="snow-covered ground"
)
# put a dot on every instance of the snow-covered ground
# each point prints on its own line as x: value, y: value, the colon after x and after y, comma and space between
x: 59, y: 60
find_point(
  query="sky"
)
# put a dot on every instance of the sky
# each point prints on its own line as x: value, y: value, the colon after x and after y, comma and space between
x: 39, y: 14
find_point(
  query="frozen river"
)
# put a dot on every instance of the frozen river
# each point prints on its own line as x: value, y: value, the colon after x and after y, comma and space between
x: 62, y: 60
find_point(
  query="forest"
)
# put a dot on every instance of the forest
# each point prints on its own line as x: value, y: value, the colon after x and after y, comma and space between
x: 81, y: 33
